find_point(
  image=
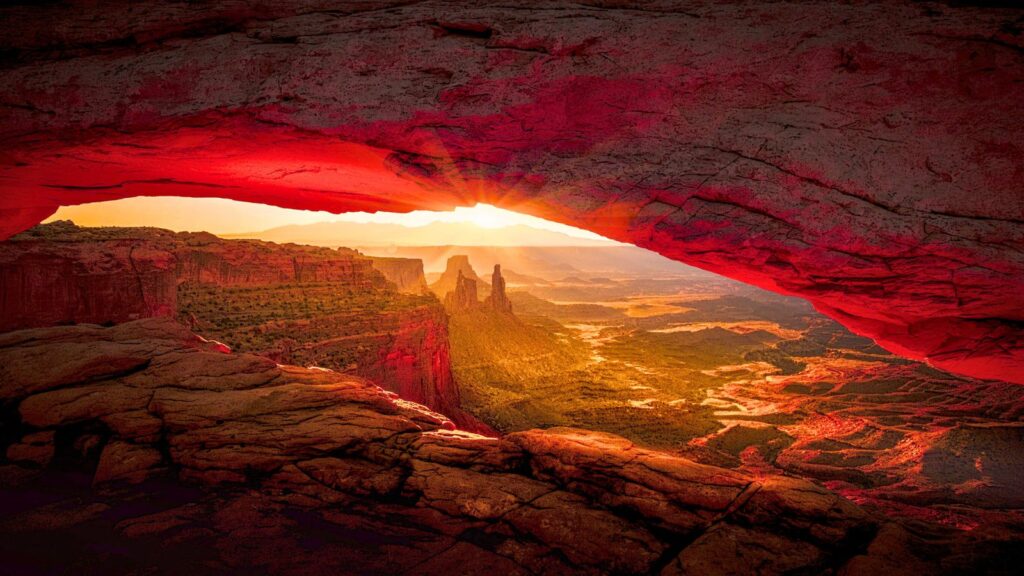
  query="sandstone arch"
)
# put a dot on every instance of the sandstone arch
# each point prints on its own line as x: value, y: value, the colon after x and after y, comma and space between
x: 867, y: 158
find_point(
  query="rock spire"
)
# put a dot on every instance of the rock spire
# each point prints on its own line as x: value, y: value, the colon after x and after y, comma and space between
x: 498, y: 300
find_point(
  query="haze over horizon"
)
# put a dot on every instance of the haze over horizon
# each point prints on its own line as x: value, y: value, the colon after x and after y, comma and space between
x: 480, y: 225
x: 375, y: 234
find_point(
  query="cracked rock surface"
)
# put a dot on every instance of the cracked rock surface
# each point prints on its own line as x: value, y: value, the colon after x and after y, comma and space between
x: 190, y: 459
x: 866, y: 157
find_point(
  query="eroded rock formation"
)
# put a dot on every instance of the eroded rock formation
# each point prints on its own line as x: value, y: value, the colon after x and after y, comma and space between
x: 498, y: 300
x: 406, y: 273
x: 464, y: 297
x: 294, y: 304
x: 863, y: 156
x: 455, y: 267
x: 315, y: 470
x: 60, y: 273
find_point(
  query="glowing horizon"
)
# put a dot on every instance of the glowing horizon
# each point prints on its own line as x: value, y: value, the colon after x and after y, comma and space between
x: 231, y: 217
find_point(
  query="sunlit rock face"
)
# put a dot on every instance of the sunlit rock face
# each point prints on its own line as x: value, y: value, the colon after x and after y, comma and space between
x: 457, y: 267
x: 865, y: 157
x: 320, y: 472
x: 405, y: 273
x: 498, y: 300
x: 464, y: 297
x: 62, y: 274
x: 294, y: 304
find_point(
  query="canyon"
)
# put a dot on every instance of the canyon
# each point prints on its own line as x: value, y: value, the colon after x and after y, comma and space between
x: 175, y: 402
x: 669, y: 407
x: 731, y: 376
x: 296, y: 304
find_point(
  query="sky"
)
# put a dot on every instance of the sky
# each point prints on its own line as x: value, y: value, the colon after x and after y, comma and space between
x: 221, y: 216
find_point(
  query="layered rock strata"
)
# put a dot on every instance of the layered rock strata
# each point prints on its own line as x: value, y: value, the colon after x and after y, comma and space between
x: 294, y: 304
x: 405, y: 273
x: 312, y: 471
x: 60, y: 273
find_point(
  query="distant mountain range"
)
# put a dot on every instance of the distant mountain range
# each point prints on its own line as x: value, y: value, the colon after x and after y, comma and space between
x: 550, y: 263
x: 528, y: 255
x: 460, y: 233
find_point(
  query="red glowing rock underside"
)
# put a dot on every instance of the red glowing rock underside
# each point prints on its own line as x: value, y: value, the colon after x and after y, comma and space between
x: 867, y: 158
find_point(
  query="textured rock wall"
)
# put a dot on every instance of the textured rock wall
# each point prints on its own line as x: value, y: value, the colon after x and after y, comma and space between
x: 62, y: 274
x: 463, y: 297
x: 864, y: 156
x: 47, y: 287
x: 419, y: 361
x: 405, y: 273
x: 206, y: 259
x: 404, y: 351
x: 358, y: 465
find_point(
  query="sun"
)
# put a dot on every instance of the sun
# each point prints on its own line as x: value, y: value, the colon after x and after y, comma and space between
x: 222, y: 216
x: 486, y: 216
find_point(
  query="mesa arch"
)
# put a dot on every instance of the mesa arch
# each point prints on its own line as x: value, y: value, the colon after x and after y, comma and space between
x: 867, y: 158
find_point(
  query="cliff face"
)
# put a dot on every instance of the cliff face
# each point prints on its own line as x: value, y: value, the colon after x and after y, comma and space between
x: 110, y: 280
x: 418, y: 360
x: 463, y: 297
x: 456, y: 267
x: 296, y: 304
x: 403, y: 348
x: 60, y: 274
x: 337, y: 476
x: 405, y: 273
x: 205, y: 259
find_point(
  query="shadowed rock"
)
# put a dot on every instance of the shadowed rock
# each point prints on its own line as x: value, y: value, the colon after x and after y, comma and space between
x: 296, y: 462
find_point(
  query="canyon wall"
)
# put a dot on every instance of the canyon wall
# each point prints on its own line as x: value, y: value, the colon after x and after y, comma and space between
x: 402, y: 346
x: 62, y: 274
x: 110, y: 281
x: 405, y: 273
x: 296, y: 304
x: 203, y: 258
x: 864, y: 156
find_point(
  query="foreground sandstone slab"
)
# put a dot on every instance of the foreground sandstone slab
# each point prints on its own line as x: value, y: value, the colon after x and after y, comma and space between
x: 207, y: 462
